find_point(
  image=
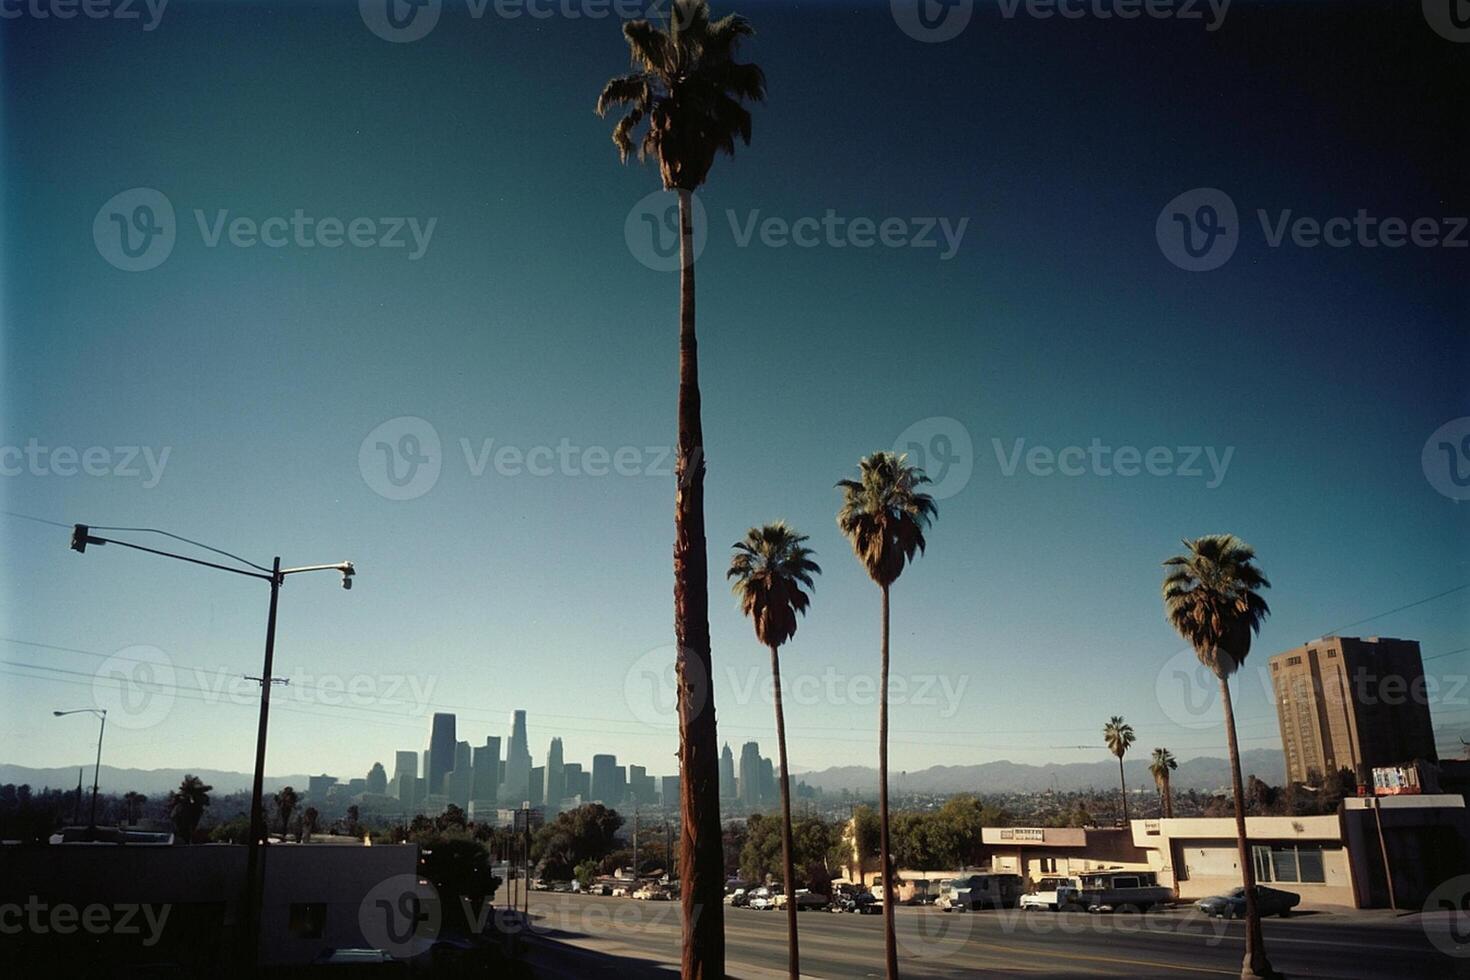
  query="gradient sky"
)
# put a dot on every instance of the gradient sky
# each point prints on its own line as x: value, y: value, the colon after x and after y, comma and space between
x: 528, y: 320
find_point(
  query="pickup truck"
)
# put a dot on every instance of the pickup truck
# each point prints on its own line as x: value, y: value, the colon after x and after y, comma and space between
x: 1122, y: 891
x: 1053, y: 894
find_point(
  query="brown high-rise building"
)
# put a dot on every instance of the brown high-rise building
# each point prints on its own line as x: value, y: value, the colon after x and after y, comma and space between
x: 1349, y: 703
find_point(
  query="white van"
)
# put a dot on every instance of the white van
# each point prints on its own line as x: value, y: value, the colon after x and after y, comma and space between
x: 984, y: 890
x: 1053, y: 893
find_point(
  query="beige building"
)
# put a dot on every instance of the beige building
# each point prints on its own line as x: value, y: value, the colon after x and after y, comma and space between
x: 1033, y: 852
x: 1349, y: 703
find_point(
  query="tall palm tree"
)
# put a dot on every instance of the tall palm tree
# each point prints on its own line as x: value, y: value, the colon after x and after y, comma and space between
x: 186, y: 806
x: 286, y: 801
x: 1159, y: 767
x: 769, y: 568
x: 1212, y: 597
x: 686, y: 88
x: 884, y: 515
x: 309, y: 819
x: 133, y: 805
x: 1119, y: 736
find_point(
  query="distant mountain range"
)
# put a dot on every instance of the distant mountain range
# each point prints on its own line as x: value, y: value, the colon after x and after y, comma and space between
x: 149, y: 782
x: 1202, y: 773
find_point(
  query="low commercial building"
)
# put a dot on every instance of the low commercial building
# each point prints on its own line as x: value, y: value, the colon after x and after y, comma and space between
x: 185, y: 905
x: 1033, y: 852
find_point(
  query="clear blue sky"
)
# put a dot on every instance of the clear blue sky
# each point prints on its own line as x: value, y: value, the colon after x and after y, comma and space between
x: 527, y: 320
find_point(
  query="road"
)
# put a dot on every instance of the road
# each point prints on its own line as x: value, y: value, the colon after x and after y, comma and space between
x: 582, y: 936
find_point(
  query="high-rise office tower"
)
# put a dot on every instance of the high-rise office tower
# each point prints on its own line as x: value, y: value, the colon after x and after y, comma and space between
x: 605, y: 780
x: 405, y: 776
x: 441, y: 752
x: 517, y: 762
x: 642, y: 788
x: 536, y: 791
x: 750, y: 774
x: 377, y: 779
x: 1349, y: 703
x: 485, y: 786
x: 769, y: 793
x: 728, y: 786
x: 556, y: 782
x: 578, y: 783
x: 461, y: 778
x: 670, y: 795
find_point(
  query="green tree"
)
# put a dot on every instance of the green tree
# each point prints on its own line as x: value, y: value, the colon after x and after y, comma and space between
x: 186, y: 806
x: 585, y: 872
x: 686, y: 90
x: 286, y: 802
x: 884, y: 516
x: 1160, y: 766
x: 770, y: 567
x: 574, y: 837
x: 1119, y: 737
x: 1212, y: 597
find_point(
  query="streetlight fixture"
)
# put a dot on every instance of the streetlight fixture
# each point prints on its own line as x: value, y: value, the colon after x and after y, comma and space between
x: 101, y: 713
x: 276, y: 575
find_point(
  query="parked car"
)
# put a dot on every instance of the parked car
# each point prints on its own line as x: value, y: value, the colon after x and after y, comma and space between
x: 1231, y: 905
x: 599, y: 889
x: 1122, y: 891
x: 739, y: 898
x: 1053, y: 894
x: 985, y: 890
x: 806, y: 900
x: 855, y: 900
x: 762, y: 900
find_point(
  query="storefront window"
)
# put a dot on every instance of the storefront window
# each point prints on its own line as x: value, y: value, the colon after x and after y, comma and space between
x: 1291, y: 863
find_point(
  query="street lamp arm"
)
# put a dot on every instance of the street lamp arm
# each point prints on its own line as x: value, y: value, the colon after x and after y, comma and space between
x: 94, y: 539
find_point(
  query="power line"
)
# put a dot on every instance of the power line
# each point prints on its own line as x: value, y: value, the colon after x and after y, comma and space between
x: 1407, y: 605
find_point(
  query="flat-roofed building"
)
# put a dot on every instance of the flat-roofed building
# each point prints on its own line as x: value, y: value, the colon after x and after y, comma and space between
x: 1349, y: 703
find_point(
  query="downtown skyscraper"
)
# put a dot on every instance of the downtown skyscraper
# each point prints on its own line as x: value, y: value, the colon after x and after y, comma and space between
x: 556, y: 785
x: 517, y: 787
x: 441, y: 753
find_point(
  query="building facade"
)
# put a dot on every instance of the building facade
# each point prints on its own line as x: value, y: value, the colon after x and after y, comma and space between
x: 1349, y: 703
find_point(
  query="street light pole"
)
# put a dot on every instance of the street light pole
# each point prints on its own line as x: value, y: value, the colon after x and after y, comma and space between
x: 254, y: 879
x: 101, y: 713
x: 276, y: 575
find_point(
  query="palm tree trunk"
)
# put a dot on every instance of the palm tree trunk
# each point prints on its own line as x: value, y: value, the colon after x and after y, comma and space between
x: 701, y: 850
x: 1255, y: 963
x: 788, y: 869
x: 890, y: 892
x: 1168, y: 800
x: 1123, y: 790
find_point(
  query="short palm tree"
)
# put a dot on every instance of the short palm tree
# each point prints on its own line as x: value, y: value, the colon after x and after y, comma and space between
x: 133, y: 805
x: 1159, y: 767
x: 884, y: 515
x: 770, y: 567
x: 1119, y: 736
x: 286, y: 801
x: 687, y: 90
x: 1212, y: 597
x: 186, y: 806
